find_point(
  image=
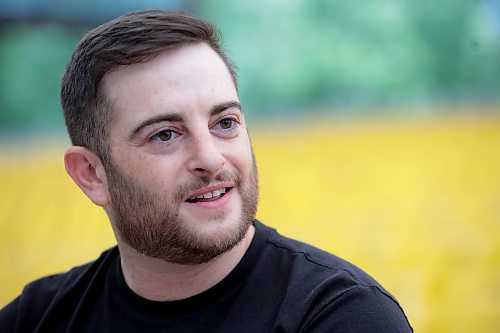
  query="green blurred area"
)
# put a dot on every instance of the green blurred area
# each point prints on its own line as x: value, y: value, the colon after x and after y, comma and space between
x: 362, y: 53
x: 32, y: 60
x: 329, y: 56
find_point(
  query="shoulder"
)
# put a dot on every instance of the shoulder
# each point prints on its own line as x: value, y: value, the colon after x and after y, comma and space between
x: 333, y: 293
x: 53, y: 291
x: 51, y: 285
x: 359, y: 309
x: 309, y: 260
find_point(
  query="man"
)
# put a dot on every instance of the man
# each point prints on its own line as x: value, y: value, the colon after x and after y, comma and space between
x: 160, y: 142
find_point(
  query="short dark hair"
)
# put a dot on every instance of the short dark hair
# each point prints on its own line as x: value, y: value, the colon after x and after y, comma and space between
x: 132, y: 38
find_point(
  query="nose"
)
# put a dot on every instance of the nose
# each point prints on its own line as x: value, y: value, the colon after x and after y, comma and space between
x: 206, y: 158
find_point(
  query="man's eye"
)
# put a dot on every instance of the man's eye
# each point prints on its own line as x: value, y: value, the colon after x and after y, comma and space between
x: 227, y: 123
x: 163, y: 136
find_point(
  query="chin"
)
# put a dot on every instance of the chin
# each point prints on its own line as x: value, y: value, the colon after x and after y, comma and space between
x: 217, y: 226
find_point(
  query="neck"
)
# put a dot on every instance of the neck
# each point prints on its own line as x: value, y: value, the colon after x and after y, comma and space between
x: 158, y: 280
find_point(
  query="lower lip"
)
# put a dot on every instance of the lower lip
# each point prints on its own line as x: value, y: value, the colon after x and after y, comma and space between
x: 213, y: 204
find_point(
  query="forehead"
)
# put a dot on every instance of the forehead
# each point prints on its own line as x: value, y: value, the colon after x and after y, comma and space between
x: 187, y: 79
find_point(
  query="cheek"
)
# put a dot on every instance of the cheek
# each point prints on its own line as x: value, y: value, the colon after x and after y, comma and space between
x: 242, y: 157
x: 158, y: 175
x: 164, y: 175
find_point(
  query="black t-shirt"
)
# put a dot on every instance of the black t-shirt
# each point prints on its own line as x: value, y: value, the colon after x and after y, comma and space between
x: 280, y: 285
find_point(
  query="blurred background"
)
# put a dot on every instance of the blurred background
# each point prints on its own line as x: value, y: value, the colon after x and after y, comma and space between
x: 376, y: 127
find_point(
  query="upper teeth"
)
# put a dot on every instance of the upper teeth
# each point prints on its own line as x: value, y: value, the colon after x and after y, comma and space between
x: 211, y: 194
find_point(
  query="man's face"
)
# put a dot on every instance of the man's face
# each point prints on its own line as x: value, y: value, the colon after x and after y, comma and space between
x: 182, y: 181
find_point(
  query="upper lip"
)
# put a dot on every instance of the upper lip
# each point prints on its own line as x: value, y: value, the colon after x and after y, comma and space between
x: 209, y: 189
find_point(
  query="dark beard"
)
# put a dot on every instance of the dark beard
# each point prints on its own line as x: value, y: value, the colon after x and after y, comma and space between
x: 154, y: 228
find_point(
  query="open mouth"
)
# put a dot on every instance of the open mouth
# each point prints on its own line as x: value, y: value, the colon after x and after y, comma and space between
x: 210, y: 196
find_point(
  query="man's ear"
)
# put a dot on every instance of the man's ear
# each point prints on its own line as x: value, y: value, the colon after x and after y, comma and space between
x: 87, y: 171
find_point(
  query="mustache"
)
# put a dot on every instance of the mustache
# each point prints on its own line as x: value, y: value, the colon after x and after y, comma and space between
x: 204, y: 181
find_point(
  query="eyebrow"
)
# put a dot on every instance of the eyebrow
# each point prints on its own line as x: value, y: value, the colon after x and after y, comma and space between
x: 178, y: 117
